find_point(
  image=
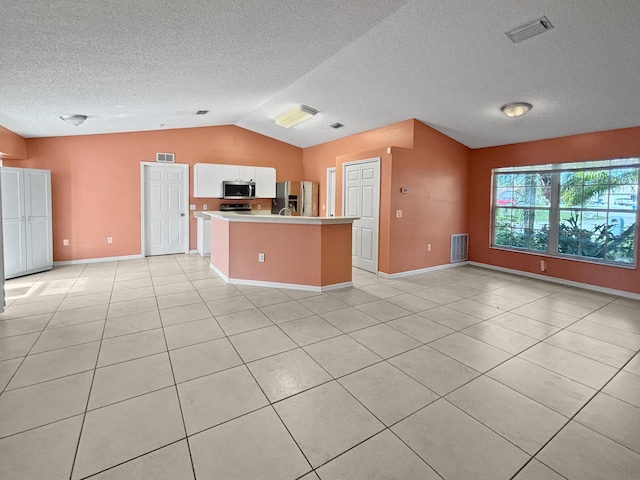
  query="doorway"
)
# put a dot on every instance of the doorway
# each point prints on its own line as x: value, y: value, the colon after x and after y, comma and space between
x: 361, y: 198
x: 164, y: 193
x: 331, y: 192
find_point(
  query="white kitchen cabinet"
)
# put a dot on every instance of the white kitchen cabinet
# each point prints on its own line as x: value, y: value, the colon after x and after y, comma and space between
x: 207, y: 180
x: 265, y: 182
x: 204, y: 236
x: 247, y: 174
x: 26, y: 221
x: 232, y: 173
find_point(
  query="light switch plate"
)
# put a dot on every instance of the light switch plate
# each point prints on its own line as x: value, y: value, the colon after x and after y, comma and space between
x: 192, y: 207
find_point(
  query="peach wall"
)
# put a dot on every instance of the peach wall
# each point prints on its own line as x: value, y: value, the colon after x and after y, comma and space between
x: 318, y: 158
x: 96, y: 179
x: 336, y: 262
x: 592, y: 146
x: 220, y: 245
x: 437, y: 178
x: 12, y: 145
x: 434, y: 168
x: 297, y: 254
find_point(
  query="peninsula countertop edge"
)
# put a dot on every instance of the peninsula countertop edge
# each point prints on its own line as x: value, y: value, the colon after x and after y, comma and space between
x: 271, y: 218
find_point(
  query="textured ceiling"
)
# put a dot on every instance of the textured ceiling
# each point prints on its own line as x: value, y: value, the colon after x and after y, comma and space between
x: 135, y: 64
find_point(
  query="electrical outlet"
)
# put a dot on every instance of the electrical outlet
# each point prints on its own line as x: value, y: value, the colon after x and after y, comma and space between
x: 65, y: 242
x: 109, y: 239
x: 428, y: 247
x: 398, y: 213
x: 192, y: 206
x: 261, y: 257
x: 205, y: 206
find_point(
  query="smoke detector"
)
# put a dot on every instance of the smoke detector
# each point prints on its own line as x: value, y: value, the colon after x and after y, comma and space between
x: 529, y: 30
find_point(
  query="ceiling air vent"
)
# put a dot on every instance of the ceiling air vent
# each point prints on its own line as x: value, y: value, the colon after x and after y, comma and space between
x: 165, y: 157
x: 336, y: 125
x: 202, y: 112
x: 529, y: 30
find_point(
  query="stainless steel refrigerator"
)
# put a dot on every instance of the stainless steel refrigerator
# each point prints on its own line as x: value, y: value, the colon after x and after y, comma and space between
x: 296, y: 198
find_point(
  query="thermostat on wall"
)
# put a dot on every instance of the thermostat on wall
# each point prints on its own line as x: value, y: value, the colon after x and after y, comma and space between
x: 404, y: 190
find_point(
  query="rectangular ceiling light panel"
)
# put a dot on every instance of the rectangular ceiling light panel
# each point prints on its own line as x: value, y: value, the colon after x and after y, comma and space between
x: 297, y: 114
x: 529, y: 30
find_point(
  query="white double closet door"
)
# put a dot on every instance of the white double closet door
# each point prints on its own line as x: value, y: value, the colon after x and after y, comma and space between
x: 361, y: 198
x: 165, y: 201
x: 26, y: 221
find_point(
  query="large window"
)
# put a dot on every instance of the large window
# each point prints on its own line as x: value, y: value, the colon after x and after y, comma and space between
x: 584, y: 210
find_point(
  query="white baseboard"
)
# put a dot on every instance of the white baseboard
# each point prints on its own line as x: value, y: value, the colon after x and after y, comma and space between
x: 408, y: 273
x: 289, y: 286
x: 561, y: 281
x: 100, y: 259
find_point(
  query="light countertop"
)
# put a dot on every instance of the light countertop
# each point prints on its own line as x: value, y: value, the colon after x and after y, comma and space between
x: 264, y: 216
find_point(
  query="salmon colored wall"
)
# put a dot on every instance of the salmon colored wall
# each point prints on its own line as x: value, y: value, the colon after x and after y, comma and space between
x: 314, y: 255
x: 96, y: 180
x: 592, y: 146
x: 318, y: 158
x: 436, y: 205
x: 12, y: 145
x: 434, y: 168
x: 220, y: 244
x: 336, y: 261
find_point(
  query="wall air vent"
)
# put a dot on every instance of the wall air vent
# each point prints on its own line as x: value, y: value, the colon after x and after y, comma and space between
x: 336, y: 125
x: 459, y: 247
x: 529, y: 30
x: 202, y: 112
x: 165, y: 157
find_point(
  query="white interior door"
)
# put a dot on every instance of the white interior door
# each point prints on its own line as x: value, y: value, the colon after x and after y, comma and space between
x: 13, y: 221
x: 38, y: 210
x: 2, y: 296
x: 165, y: 209
x: 361, y: 198
x: 331, y: 192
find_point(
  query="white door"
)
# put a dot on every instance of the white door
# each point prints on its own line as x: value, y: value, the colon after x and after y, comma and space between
x: 165, y: 209
x: 361, y: 198
x: 331, y: 192
x: 13, y: 221
x: 1, y: 247
x: 37, y: 194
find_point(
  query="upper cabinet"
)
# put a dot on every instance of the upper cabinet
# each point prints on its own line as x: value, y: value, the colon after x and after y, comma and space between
x: 208, y: 178
x: 265, y: 182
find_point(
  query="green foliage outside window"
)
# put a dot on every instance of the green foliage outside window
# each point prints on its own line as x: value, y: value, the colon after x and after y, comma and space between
x: 595, y: 211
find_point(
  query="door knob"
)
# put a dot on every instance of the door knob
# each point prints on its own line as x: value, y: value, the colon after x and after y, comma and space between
x: 182, y: 214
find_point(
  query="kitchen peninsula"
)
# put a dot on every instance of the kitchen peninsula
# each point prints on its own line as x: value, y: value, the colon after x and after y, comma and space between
x: 304, y: 253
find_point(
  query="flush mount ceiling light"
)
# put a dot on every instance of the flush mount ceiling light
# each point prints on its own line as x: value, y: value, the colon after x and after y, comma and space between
x: 516, y: 109
x: 74, y: 119
x: 297, y: 114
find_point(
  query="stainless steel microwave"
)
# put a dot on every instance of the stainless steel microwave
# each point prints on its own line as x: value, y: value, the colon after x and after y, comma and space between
x: 239, y: 190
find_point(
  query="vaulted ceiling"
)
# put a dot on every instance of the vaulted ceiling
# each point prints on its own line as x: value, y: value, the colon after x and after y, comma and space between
x: 151, y: 64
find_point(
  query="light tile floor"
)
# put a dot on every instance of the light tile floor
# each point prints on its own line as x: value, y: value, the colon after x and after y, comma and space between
x: 156, y: 368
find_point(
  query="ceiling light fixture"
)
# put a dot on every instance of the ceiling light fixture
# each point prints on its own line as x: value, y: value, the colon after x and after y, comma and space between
x: 516, y: 109
x: 74, y: 119
x: 297, y: 114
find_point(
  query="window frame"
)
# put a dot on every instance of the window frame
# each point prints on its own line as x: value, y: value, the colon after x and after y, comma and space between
x: 555, y: 208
